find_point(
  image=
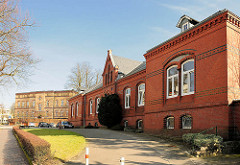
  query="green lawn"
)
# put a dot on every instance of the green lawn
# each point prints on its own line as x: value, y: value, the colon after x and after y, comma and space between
x: 64, y: 144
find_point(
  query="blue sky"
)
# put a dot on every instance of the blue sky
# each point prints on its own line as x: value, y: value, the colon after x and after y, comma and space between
x: 71, y: 31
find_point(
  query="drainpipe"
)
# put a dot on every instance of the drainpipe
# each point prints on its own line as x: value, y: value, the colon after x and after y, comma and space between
x: 84, y: 110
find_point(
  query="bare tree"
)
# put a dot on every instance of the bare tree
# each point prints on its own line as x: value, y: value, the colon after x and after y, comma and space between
x: 82, y: 77
x: 16, y: 60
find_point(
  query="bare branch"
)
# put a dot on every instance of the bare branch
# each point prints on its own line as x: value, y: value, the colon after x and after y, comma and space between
x: 82, y: 77
x: 16, y: 61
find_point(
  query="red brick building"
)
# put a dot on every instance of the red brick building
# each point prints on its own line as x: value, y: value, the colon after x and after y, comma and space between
x: 187, y: 83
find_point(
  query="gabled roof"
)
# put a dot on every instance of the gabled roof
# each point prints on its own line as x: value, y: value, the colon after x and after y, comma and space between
x: 191, y: 20
x: 124, y: 65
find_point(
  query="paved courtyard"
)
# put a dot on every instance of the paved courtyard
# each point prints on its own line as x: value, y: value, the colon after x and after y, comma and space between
x: 107, y: 146
x: 10, y: 152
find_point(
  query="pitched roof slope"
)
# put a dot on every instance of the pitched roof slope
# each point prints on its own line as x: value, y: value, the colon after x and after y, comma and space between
x: 139, y: 68
x: 125, y: 65
x: 99, y: 85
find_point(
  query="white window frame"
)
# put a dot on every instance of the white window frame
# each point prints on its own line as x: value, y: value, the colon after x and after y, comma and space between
x: 172, y: 77
x: 62, y: 103
x: 142, y: 91
x: 72, y: 108
x: 27, y: 104
x: 185, y: 24
x: 140, y: 126
x: 188, y: 78
x: 47, y: 103
x: 77, y: 108
x: 127, y: 97
x: 125, y: 124
x: 183, y: 122
x: 97, y: 105
x: 90, y: 106
x: 167, y: 123
x: 23, y: 104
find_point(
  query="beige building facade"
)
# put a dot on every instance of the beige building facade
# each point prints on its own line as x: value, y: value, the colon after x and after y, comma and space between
x: 32, y: 106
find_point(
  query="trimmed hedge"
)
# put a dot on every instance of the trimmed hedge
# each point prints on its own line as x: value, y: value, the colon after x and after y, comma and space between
x: 37, y: 148
x: 203, y: 144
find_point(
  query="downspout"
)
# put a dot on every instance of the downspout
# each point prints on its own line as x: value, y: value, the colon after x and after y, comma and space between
x: 84, y: 110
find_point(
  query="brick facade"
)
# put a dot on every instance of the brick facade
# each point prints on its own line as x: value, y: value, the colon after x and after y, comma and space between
x: 213, y: 46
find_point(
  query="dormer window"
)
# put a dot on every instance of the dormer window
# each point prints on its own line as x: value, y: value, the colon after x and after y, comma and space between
x: 186, y: 22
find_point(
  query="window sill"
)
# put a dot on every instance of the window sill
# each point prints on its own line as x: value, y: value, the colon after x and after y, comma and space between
x: 186, y: 128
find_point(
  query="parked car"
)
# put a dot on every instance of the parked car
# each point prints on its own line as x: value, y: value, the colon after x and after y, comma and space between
x: 52, y: 125
x: 65, y: 124
x: 43, y: 124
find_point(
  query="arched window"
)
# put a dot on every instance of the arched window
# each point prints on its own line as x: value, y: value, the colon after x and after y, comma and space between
x: 90, y: 106
x: 125, y: 124
x: 139, y: 124
x: 169, y: 122
x: 141, y: 94
x: 188, y: 77
x: 172, y: 82
x: 186, y: 122
x: 72, y: 110
x: 97, y: 105
x: 127, y: 97
x: 77, y: 109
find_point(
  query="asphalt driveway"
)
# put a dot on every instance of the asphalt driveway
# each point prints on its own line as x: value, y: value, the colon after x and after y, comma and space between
x: 107, y: 147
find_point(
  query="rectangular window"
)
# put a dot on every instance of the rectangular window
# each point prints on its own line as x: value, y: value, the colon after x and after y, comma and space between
x: 188, y: 77
x: 186, y: 122
x: 172, y: 82
x: 97, y: 106
x: 127, y: 97
x: 90, y: 107
x: 141, y: 95
x: 170, y: 123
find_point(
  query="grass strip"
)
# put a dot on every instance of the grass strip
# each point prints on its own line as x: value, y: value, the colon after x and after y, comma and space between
x: 64, y: 144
